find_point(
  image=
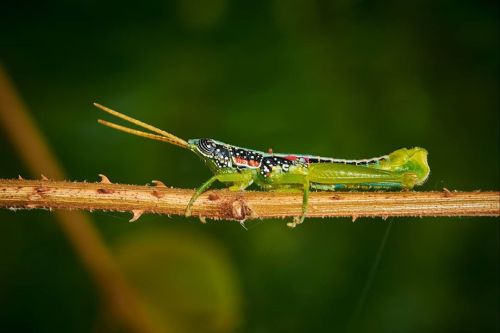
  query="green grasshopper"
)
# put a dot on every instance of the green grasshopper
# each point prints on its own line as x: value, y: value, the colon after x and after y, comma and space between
x: 241, y: 167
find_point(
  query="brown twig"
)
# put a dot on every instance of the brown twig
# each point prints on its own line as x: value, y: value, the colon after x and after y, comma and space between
x: 224, y: 204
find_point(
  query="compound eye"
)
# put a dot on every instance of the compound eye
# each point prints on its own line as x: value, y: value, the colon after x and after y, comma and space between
x: 206, y: 146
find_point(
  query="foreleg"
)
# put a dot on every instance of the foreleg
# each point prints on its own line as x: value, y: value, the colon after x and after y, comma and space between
x: 240, y: 181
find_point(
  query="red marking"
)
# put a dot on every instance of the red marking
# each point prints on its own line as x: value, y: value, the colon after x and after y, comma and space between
x: 291, y: 157
x: 253, y: 163
x: 270, y: 150
x: 239, y: 160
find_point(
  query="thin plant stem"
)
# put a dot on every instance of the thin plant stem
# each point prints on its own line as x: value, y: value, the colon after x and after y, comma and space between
x: 244, y: 205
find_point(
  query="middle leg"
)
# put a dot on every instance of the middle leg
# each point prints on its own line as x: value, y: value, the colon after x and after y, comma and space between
x: 283, y: 180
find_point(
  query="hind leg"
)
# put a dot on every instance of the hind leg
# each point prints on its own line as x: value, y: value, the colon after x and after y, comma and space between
x: 354, y: 176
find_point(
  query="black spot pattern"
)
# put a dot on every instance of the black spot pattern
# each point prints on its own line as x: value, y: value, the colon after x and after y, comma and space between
x: 366, y: 162
x: 361, y: 162
x: 222, y: 157
x: 253, y: 156
x: 238, y: 152
x: 271, y: 161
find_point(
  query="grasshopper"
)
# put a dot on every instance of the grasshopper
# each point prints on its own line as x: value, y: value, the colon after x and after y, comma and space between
x: 240, y: 167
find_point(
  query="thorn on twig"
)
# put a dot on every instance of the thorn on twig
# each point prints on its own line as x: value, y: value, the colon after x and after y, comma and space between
x: 137, y: 214
x: 104, y: 179
x: 20, y: 178
x: 203, y: 219
x: 446, y: 192
x: 43, y: 177
x: 158, y: 183
x: 354, y: 218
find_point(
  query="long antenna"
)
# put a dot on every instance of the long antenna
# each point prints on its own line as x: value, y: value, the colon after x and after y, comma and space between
x: 163, y: 135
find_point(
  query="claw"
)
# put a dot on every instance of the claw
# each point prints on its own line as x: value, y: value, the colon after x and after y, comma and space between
x: 296, y: 221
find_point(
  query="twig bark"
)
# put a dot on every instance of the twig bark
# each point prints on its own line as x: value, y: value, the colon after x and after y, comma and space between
x: 224, y: 204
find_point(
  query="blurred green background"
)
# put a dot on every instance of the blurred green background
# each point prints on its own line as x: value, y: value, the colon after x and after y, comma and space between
x: 349, y: 79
